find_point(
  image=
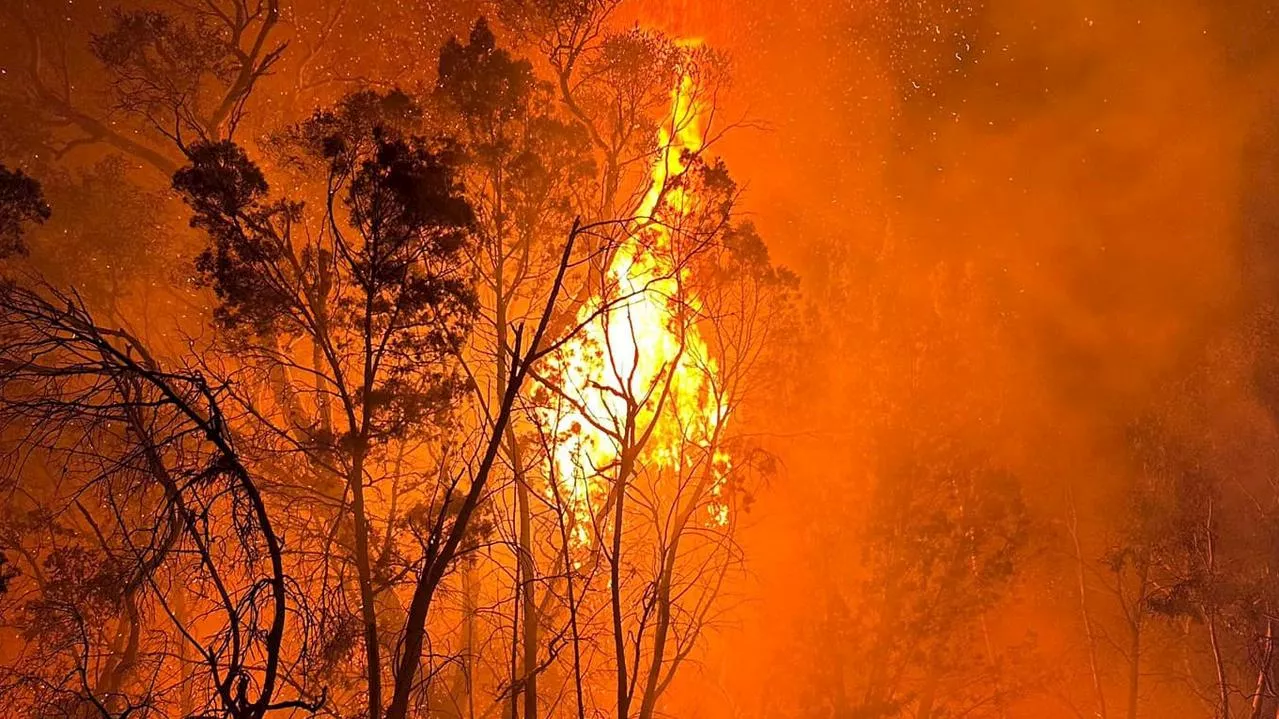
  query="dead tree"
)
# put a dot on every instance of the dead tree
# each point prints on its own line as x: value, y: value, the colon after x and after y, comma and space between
x: 157, y: 477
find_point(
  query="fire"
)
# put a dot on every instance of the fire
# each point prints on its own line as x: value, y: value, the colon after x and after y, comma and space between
x: 640, y: 348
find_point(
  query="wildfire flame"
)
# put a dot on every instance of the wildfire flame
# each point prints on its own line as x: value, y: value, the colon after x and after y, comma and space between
x: 640, y: 348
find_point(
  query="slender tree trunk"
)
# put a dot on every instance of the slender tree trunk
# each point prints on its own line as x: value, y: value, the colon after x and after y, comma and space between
x: 1263, y: 688
x: 320, y: 307
x: 653, y: 685
x: 615, y: 583
x: 569, y: 567
x: 472, y: 600
x: 573, y: 625
x: 1211, y: 619
x: 442, y: 550
x: 1091, y: 640
x: 525, y: 685
x: 527, y: 580
x: 1224, y: 689
x: 1135, y: 637
x: 513, y: 660
x: 650, y: 700
x: 440, y: 557
x: 283, y: 389
x: 186, y: 698
x: 1135, y: 646
x: 364, y: 571
x: 123, y: 654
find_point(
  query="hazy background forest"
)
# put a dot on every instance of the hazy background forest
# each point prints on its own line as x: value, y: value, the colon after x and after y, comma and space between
x: 584, y: 358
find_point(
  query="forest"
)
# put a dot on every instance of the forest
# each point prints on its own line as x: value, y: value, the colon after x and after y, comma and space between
x: 507, y: 359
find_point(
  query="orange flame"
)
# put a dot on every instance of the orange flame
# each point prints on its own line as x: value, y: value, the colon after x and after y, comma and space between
x: 640, y: 349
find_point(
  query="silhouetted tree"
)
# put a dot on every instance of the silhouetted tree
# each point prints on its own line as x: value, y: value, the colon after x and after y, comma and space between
x: 526, y: 170
x: 377, y: 289
x: 21, y: 204
x: 184, y: 74
x: 151, y: 474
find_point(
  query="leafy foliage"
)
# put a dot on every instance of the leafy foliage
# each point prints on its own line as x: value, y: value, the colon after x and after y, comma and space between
x: 21, y: 203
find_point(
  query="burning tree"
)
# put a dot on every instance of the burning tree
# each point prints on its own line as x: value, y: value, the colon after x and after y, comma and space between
x: 476, y: 348
x: 633, y: 409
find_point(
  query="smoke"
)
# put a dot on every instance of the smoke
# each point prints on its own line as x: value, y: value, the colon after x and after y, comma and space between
x: 1020, y: 226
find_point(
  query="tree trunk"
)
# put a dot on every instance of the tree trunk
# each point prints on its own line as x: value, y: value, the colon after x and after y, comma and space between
x: 526, y: 684
x: 1211, y: 619
x: 469, y: 603
x: 438, y: 560
x: 650, y: 700
x: 186, y: 700
x: 1263, y: 688
x: 527, y: 579
x: 364, y: 571
x: 1135, y: 638
x: 1081, y: 588
x: 1224, y: 689
x: 615, y: 582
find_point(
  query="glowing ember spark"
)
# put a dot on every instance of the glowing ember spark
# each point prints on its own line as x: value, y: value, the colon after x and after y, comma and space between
x: 640, y: 348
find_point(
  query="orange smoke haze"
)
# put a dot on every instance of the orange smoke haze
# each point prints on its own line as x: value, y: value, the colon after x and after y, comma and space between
x: 1021, y: 224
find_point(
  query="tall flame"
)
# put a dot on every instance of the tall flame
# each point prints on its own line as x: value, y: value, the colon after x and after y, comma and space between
x: 641, y: 347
